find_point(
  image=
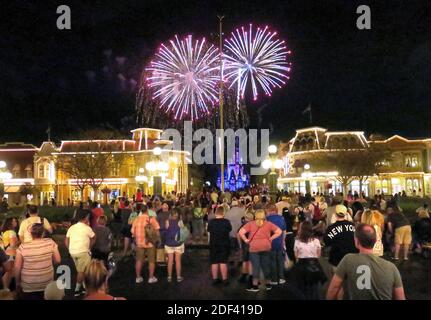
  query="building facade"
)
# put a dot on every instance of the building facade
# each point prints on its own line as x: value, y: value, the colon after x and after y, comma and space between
x: 408, y: 169
x: 38, y: 174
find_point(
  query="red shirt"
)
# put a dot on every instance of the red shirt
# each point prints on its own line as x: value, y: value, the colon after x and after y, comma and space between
x: 96, y: 213
x: 139, y: 197
x: 260, y: 236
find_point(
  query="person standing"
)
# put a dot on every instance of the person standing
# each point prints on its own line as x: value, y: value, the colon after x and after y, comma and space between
x: 96, y: 212
x: 340, y: 236
x: 308, y: 273
x: 399, y: 226
x: 219, y: 229
x: 79, y: 240
x: 126, y: 211
x: 174, y: 249
x: 259, y: 234
x: 198, y: 221
x: 24, y: 228
x: 145, y: 248
x: 34, y: 264
x: 366, y: 276
x: 102, y: 246
x: 246, y: 270
x: 235, y: 215
x: 278, y: 246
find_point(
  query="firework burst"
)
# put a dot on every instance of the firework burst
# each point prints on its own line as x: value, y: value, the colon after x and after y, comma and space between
x: 257, y: 57
x: 184, y: 76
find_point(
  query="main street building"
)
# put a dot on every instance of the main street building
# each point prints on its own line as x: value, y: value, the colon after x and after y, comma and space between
x: 408, y: 170
x: 37, y: 174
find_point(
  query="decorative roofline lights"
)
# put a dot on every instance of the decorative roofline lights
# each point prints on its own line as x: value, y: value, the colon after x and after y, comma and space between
x: 319, y: 174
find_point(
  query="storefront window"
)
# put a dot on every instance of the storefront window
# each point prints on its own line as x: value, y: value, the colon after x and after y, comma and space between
x: 300, y: 187
x: 412, y: 161
x: 413, y: 186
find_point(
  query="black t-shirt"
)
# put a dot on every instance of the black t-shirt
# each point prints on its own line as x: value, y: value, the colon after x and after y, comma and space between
x: 398, y: 220
x: 219, y: 230
x: 340, y: 237
x: 125, y: 214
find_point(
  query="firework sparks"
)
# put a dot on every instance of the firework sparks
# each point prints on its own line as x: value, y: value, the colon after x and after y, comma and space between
x: 185, y: 77
x: 259, y: 58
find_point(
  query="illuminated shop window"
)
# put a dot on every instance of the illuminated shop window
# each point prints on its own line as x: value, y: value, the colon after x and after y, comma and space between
x: 412, y: 161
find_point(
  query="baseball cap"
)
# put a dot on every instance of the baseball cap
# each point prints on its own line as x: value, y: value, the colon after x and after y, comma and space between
x: 340, y: 210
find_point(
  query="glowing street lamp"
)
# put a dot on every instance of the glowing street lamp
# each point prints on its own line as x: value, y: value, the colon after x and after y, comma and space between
x: 4, y: 175
x: 274, y: 164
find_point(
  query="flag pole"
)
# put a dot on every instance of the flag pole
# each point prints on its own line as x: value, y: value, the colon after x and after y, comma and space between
x: 221, y: 106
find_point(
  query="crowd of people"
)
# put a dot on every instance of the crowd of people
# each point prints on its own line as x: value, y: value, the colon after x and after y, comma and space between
x: 260, y: 235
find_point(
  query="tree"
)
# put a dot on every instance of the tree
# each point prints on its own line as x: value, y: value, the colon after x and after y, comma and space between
x: 351, y: 164
x: 96, y: 161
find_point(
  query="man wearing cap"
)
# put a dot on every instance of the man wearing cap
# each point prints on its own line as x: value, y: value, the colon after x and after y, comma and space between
x: 340, y: 236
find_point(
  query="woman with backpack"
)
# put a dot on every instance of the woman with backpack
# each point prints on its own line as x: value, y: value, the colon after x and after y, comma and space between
x: 174, y: 245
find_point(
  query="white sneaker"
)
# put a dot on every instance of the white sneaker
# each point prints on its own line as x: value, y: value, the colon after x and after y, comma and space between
x: 152, y: 280
x: 281, y: 281
x: 139, y: 280
x: 273, y: 283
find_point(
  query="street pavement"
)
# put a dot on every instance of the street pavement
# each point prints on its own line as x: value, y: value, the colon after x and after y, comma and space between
x: 197, y: 282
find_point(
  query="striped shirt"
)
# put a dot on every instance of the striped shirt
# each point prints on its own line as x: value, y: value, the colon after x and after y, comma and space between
x: 37, y: 268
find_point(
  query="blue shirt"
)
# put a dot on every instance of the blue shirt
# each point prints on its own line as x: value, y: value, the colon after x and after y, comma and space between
x: 277, y: 243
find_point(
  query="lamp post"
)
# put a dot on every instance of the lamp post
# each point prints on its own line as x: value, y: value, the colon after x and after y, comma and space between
x: 141, y: 179
x: 273, y: 163
x: 307, y: 182
x: 158, y: 168
x: 4, y: 174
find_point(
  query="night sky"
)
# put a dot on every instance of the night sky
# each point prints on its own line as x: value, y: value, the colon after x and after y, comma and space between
x: 376, y: 80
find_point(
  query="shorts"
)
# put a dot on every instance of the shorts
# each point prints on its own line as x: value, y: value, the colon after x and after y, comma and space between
x: 245, y: 252
x: 170, y: 250
x: 81, y: 260
x: 403, y: 235
x: 149, y: 253
x: 219, y: 254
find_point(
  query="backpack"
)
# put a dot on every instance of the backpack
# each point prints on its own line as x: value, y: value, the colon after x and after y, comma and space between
x: 183, y: 235
x: 152, y: 235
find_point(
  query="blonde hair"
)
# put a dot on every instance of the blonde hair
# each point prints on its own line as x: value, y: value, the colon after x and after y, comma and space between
x: 95, y: 275
x: 259, y: 217
x: 373, y: 217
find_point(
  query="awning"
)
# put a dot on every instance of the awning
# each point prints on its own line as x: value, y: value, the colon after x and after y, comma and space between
x: 11, y: 189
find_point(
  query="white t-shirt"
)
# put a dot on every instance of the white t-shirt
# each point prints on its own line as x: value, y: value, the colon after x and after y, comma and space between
x: 307, y: 250
x: 79, y: 238
x: 24, y: 228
